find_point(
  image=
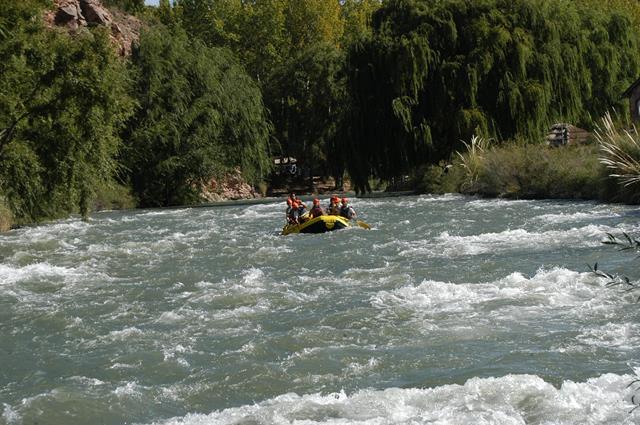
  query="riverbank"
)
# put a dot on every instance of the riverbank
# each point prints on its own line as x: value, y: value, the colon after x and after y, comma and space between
x: 528, y: 171
x: 506, y: 170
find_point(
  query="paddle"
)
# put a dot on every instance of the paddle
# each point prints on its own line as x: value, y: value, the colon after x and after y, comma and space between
x: 363, y: 224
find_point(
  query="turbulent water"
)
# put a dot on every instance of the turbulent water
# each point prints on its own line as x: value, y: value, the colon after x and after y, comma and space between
x: 451, y: 310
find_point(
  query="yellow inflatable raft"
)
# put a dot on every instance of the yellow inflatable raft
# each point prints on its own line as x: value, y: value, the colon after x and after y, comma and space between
x: 324, y: 223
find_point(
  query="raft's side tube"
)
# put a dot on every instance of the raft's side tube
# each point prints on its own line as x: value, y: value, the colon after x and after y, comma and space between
x: 324, y: 223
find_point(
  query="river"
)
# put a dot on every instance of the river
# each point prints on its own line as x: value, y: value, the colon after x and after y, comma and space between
x: 451, y: 310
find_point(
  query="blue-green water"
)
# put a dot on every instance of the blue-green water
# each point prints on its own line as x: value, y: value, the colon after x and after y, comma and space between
x: 452, y: 310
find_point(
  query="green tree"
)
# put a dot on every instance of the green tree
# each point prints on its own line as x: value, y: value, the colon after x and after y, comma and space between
x: 130, y: 6
x: 314, y: 21
x: 215, y: 22
x: 434, y: 73
x: 356, y: 15
x: 265, y: 43
x: 167, y: 14
x: 200, y: 115
x: 307, y: 102
x: 267, y: 33
x: 63, y: 101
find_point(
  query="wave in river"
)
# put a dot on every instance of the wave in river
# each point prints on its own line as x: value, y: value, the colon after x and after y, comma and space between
x: 450, y: 245
x: 512, y: 399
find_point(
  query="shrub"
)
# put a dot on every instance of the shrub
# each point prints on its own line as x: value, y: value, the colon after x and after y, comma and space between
x: 520, y: 170
x: 113, y: 196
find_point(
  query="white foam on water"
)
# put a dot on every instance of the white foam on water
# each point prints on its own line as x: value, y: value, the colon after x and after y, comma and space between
x: 450, y: 246
x: 164, y: 212
x: 557, y: 289
x: 359, y: 369
x: 203, y: 284
x: 270, y: 253
x: 173, y: 354
x: 498, y: 203
x: 125, y: 366
x: 362, y: 204
x: 125, y: 334
x: 129, y: 390
x: 10, y: 415
x: 622, y: 336
x: 508, y: 400
x: 37, y: 271
x: 574, y: 217
x: 242, y: 312
x: 253, y: 277
x: 70, y: 226
x: 447, y: 197
x: 270, y: 210
x: 170, y: 317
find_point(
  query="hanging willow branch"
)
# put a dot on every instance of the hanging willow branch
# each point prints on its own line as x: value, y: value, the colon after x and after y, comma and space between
x: 625, y: 243
x: 499, y: 68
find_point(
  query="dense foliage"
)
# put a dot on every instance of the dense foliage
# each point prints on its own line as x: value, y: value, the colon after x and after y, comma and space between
x: 307, y: 100
x: 435, y: 72
x: 199, y: 115
x: 131, y: 6
x: 62, y: 103
x: 531, y: 171
x: 363, y: 88
x: 295, y: 50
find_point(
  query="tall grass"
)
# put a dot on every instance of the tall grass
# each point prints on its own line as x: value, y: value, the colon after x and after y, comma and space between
x: 619, y: 151
x: 518, y: 169
x: 472, y: 160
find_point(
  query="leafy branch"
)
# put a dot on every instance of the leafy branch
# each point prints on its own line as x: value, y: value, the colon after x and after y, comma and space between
x: 625, y: 243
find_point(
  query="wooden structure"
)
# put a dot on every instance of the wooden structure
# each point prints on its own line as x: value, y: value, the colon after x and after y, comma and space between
x: 286, y: 166
x: 561, y: 134
x: 633, y: 93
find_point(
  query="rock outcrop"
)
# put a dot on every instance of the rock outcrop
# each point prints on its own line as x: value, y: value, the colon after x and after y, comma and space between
x: 231, y: 186
x: 77, y: 14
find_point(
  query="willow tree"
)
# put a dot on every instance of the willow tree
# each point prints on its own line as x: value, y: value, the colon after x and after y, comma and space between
x: 200, y: 115
x: 63, y: 101
x: 433, y: 73
x: 307, y: 100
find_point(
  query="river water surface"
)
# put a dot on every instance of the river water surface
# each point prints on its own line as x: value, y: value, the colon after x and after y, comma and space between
x: 451, y: 310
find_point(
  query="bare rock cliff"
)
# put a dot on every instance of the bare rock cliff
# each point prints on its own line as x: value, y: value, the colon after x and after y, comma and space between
x: 231, y: 186
x: 76, y: 14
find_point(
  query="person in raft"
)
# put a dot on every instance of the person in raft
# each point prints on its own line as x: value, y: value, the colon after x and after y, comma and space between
x: 316, y: 210
x: 294, y: 198
x: 289, y: 212
x: 334, y: 206
x: 300, y: 210
x: 347, y: 210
